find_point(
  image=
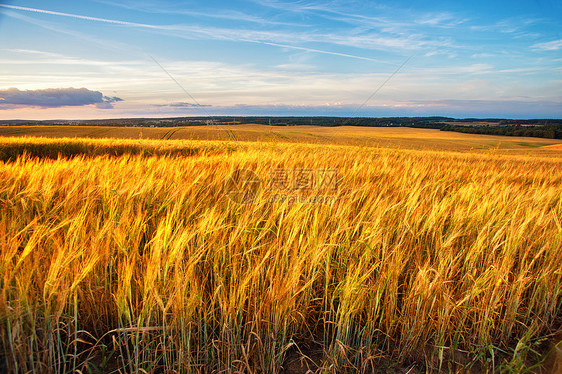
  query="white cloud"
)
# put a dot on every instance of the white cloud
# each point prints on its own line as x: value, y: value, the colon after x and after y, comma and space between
x: 549, y: 46
x: 481, y: 55
x: 159, y: 8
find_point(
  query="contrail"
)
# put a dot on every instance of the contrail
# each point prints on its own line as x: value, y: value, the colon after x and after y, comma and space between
x: 382, y: 85
x: 313, y: 50
x: 179, y: 84
x: 171, y: 28
x: 370, y: 97
x: 81, y: 17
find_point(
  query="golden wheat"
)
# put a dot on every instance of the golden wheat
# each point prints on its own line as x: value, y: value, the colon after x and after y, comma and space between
x: 140, y: 262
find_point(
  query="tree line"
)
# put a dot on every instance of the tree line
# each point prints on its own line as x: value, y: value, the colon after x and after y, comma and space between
x: 550, y: 131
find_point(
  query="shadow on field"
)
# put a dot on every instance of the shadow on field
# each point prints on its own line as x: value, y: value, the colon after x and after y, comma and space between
x: 53, y: 150
x: 552, y: 362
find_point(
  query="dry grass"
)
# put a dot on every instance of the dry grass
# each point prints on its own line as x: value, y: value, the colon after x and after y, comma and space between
x: 140, y: 263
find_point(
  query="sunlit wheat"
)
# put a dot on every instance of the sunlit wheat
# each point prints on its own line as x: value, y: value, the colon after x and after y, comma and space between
x: 127, y: 254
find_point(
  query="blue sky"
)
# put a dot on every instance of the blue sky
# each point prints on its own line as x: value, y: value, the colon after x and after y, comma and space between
x: 145, y: 58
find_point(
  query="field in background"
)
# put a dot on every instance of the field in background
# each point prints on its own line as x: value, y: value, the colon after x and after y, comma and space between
x: 126, y: 254
x: 385, y: 137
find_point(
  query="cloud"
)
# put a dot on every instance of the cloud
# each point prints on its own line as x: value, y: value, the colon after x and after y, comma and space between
x: 159, y: 8
x: 54, y: 98
x: 549, y: 46
x: 108, y: 101
x: 507, y: 26
x: 508, y: 108
x: 188, y: 105
x: 481, y: 55
x: 370, y: 41
x: 386, y: 18
x: 183, y: 105
x: 109, y: 44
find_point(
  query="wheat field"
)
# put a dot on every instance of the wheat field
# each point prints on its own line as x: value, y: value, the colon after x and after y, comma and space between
x: 128, y: 256
x: 381, y: 137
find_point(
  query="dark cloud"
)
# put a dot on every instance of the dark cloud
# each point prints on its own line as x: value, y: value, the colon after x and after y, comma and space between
x: 54, y: 98
x: 108, y: 102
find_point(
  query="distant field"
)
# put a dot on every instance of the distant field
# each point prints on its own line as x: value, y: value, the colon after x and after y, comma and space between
x: 384, y: 137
